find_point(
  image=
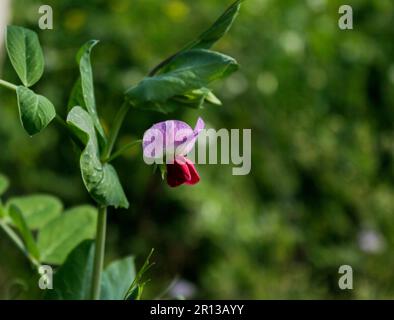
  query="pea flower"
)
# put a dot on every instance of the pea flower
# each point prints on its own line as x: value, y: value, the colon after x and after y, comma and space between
x: 171, y: 141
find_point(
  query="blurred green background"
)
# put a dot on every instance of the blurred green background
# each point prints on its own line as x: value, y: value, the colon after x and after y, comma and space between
x: 320, y: 103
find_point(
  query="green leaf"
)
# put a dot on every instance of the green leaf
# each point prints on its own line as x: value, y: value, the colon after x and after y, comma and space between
x: 207, y: 65
x: 73, y: 279
x: 87, y: 86
x: 25, y: 53
x: 221, y: 26
x: 109, y: 190
x: 4, y: 184
x: 38, y: 210
x: 189, y: 71
x: 209, y: 37
x: 36, y: 111
x: 117, y: 278
x: 101, y: 180
x: 20, y: 224
x: 61, y: 235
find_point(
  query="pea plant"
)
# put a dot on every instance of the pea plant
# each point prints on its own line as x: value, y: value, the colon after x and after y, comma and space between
x: 73, y: 241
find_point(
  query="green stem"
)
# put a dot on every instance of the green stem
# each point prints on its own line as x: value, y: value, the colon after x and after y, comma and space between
x: 8, y: 85
x: 113, y: 135
x: 19, y: 243
x: 123, y: 150
x: 99, y: 252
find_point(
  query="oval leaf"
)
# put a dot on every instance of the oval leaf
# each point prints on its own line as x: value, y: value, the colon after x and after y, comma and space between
x: 36, y: 111
x: 61, y: 235
x: 73, y: 279
x: 25, y: 53
x: 117, y: 278
x: 38, y: 210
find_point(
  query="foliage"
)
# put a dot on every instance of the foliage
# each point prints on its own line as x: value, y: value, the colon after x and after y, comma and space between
x: 184, y: 76
x: 25, y: 54
x: 48, y: 234
x: 319, y: 102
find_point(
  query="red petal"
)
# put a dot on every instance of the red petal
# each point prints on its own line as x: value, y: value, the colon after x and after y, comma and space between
x: 182, y: 171
x: 177, y: 173
x: 194, y: 176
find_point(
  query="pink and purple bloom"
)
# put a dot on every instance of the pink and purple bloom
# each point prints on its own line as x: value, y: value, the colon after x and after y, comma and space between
x: 171, y: 141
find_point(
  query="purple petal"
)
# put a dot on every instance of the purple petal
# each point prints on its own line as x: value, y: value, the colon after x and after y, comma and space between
x: 200, y: 125
x: 170, y: 137
x: 153, y: 143
x: 191, y: 138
